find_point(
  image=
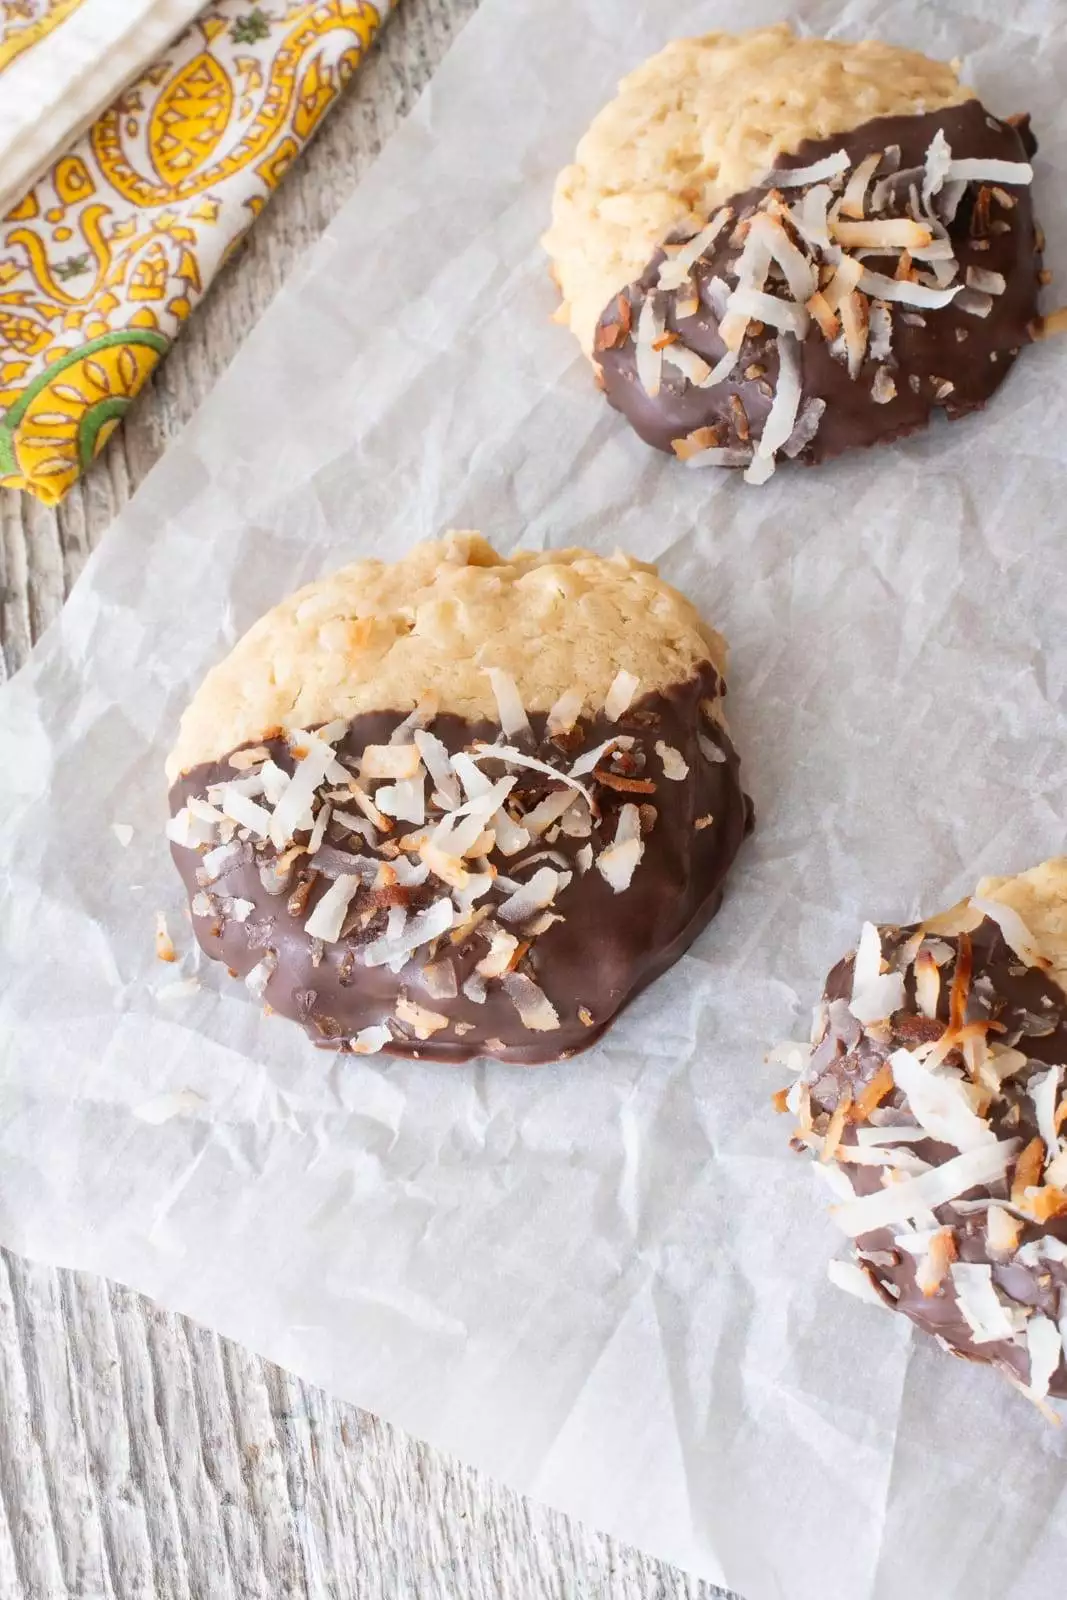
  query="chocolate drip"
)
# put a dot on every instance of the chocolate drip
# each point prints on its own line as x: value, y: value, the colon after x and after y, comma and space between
x: 940, y: 359
x: 607, y: 947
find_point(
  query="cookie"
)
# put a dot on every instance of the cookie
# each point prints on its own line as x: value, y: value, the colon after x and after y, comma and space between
x: 934, y: 1098
x: 462, y: 804
x: 871, y: 279
x: 701, y: 121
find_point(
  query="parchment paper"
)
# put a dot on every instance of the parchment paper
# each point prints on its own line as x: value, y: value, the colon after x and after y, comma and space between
x: 603, y: 1282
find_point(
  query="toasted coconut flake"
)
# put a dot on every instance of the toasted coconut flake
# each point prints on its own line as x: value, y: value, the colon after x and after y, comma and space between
x: 844, y: 281
x: 368, y: 1041
x: 422, y: 1022
x: 1056, y: 1172
x: 883, y: 389
x: 836, y: 1127
x: 257, y: 980
x: 986, y: 282
x: 244, y: 760
x: 536, y: 1011
x: 826, y: 319
x: 396, y: 761
x: 1002, y: 1230
x: 620, y: 695
x: 327, y: 919
x: 874, y: 995
x: 649, y: 357
x: 534, y: 895
x: 798, y: 270
x: 675, y: 767
x: 983, y: 170
x: 1028, y: 1171
x: 565, y: 713
x: 165, y: 950
x: 911, y: 294
x: 941, y: 1252
x: 502, y: 947
x: 976, y: 1297
x: 509, y: 704
x: 854, y: 324
x: 889, y: 233
x: 674, y: 271
x: 852, y: 201
x: 927, y: 983
x: 873, y: 1093
x: 854, y: 1280
x: 800, y: 177
x: 1016, y: 934
x: 886, y: 1207
x: 548, y: 811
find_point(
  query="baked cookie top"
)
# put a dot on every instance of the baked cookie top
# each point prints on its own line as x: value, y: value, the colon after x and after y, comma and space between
x: 935, y: 1100
x: 705, y: 119
x: 380, y: 636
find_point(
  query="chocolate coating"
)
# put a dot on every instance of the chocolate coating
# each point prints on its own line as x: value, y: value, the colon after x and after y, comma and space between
x: 607, y: 947
x: 1032, y: 1010
x: 972, y: 353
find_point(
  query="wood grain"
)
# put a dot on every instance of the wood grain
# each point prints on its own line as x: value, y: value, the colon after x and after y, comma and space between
x: 141, y: 1456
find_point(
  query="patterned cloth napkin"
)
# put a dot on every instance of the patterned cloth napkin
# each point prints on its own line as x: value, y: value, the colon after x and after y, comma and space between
x: 110, y: 250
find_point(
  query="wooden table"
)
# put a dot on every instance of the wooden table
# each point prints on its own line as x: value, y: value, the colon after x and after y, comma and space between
x: 140, y: 1454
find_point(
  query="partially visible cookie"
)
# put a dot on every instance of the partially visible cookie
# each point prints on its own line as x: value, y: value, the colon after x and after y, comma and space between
x: 934, y: 1098
x: 461, y: 804
x: 705, y: 119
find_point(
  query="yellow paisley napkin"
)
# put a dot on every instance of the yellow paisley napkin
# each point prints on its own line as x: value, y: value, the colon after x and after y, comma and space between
x: 109, y: 252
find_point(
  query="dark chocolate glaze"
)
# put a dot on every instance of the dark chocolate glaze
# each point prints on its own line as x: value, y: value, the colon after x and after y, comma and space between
x: 607, y: 948
x: 973, y: 353
x: 1024, y: 1000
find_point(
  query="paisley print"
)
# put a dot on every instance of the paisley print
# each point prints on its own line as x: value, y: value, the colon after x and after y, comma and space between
x: 105, y: 258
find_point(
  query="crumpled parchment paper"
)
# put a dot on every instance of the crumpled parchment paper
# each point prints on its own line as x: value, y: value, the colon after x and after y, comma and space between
x: 604, y: 1282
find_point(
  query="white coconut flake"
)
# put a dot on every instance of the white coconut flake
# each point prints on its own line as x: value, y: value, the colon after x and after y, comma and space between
x: 256, y: 981
x: 405, y: 800
x: 565, y: 713
x: 509, y: 704
x: 937, y: 165
x: 675, y: 767
x: 940, y: 1103
x: 649, y: 332
x: 517, y: 758
x: 809, y: 215
x: 368, y: 1041
x: 874, y: 995
x: 836, y: 1180
x: 721, y: 370
x: 886, y: 1207
x: 719, y: 456
x: 327, y: 919
x: 781, y: 419
x: 123, y: 833
x: 422, y: 929
x: 536, y: 1011
x: 866, y: 1155
x: 1043, y: 1089
x: 438, y: 764
x: 980, y: 169
x: 246, y: 812
x: 621, y: 693
x: 906, y: 292
x: 1046, y: 1349
x: 674, y: 271
x: 798, y: 177
x: 883, y: 388
x: 162, y: 1107
x: 179, y: 989
x: 881, y: 332
x: 293, y: 810
x: 848, y: 1276
x: 318, y: 832
x: 420, y: 718
x: 584, y: 859
x: 987, y: 1319
x: 474, y: 989
x: 619, y: 861
x: 188, y: 831
x: 534, y: 895
x: 548, y: 811
x: 782, y: 314
x: 1016, y: 934
x: 807, y: 426
x: 881, y: 1134
x: 974, y: 304
x: 692, y: 367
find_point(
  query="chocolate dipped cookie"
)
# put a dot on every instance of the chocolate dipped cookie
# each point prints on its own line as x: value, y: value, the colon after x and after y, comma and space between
x: 934, y: 1099
x: 851, y: 247
x: 462, y: 804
